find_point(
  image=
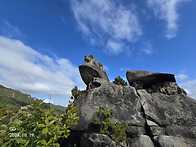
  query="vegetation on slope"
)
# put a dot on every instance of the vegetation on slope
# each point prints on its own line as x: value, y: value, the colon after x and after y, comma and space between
x: 11, y: 99
x: 37, y: 127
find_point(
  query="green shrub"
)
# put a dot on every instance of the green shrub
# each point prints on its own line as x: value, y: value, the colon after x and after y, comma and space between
x: 37, y: 126
x: 75, y: 93
x: 119, y: 81
x: 116, y: 131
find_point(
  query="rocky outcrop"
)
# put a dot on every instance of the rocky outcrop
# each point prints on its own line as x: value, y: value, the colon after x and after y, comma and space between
x: 171, y: 115
x: 122, y: 99
x: 158, y: 115
x: 92, y: 68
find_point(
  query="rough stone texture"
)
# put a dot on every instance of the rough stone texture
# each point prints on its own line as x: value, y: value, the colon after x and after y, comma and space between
x: 169, y: 88
x: 92, y: 68
x: 134, y: 131
x: 122, y: 99
x: 176, y: 114
x: 158, y: 115
x: 141, y: 141
x: 144, y: 79
x: 133, y: 74
x: 170, y: 141
x: 96, y: 140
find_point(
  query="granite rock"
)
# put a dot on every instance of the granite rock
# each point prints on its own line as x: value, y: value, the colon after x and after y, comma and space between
x: 141, y: 141
x: 92, y: 68
x: 122, y: 99
x: 96, y: 140
x: 170, y: 141
x: 144, y: 79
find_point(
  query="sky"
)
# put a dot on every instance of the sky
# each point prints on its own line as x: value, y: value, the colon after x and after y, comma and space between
x: 42, y: 42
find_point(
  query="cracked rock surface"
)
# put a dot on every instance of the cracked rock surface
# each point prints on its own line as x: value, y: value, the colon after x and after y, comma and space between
x: 160, y: 115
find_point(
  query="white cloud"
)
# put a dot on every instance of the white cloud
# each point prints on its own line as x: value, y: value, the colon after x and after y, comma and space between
x: 114, y: 47
x: 167, y: 11
x: 190, y: 87
x: 10, y: 31
x: 105, y: 20
x: 48, y: 101
x: 25, y: 69
x: 147, y: 50
x: 182, y: 77
x: 147, y: 47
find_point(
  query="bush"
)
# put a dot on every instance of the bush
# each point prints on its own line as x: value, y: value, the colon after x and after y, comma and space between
x: 119, y: 81
x: 37, y: 126
x: 75, y: 93
x: 116, y: 131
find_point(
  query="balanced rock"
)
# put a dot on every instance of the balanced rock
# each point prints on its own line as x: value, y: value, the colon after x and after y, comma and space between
x: 145, y: 79
x: 132, y: 74
x: 92, y: 68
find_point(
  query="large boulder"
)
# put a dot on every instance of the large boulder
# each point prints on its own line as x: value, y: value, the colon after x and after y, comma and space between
x: 92, y: 68
x: 145, y: 79
x: 132, y: 74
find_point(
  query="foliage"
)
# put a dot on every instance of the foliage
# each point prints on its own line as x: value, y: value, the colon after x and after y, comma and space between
x: 75, y: 93
x: 119, y: 81
x: 114, y: 130
x: 37, y: 126
x: 4, y: 114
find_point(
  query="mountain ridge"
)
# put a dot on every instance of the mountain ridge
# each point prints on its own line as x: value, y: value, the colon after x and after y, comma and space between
x: 11, y: 99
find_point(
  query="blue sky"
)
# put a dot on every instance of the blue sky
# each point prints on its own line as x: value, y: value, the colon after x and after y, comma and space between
x: 42, y: 43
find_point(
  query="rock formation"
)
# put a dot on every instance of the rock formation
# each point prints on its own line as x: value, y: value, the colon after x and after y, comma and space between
x: 90, y: 69
x: 158, y: 112
x: 144, y: 79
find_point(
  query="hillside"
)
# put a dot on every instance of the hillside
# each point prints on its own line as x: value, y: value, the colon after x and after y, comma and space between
x: 11, y: 99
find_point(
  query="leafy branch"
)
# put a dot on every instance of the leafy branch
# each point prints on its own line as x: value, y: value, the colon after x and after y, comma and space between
x: 116, y: 131
x: 38, y: 127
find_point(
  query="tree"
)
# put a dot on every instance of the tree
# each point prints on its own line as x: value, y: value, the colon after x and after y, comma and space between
x: 75, y: 93
x: 119, y: 81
